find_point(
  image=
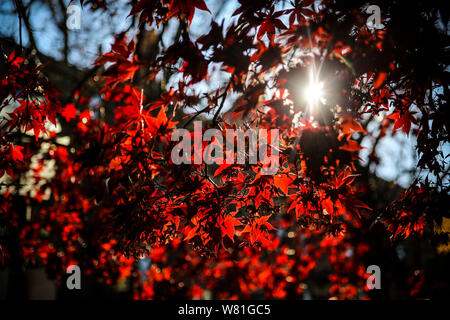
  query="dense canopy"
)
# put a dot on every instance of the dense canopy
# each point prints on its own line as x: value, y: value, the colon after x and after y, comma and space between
x: 88, y: 178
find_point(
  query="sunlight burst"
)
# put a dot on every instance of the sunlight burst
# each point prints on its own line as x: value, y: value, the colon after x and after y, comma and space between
x: 314, y: 93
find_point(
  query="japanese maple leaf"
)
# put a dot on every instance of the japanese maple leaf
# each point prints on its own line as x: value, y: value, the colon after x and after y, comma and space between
x: 283, y: 181
x: 160, y: 122
x: 254, y: 232
x: 354, y: 205
x: 132, y: 111
x: 351, y: 145
x: 228, y: 226
x: 269, y: 56
x: 262, y: 221
x: 344, y: 178
x: 69, y: 112
x: 146, y: 8
x: 270, y: 21
x: 213, y: 38
x: 186, y: 8
x: 300, y: 11
x: 16, y: 153
x: 15, y: 60
x: 194, y: 63
x: 124, y: 62
x: 403, y: 120
x: 350, y: 125
x: 37, y: 127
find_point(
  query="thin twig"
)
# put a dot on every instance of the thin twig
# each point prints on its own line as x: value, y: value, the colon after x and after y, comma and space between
x: 223, y: 101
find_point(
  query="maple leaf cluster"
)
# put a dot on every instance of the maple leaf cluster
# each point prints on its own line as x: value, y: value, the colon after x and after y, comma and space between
x: 116, y: 196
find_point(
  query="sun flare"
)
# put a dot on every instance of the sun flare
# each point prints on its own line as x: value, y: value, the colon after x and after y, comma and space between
x: 314, y: 93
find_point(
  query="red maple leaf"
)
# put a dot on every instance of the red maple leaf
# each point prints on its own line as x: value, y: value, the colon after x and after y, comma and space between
x: 69, y: 112
x: 403, y: 120
x: 186, y: 8
x: 270, y: 21
x: 16, y: 153
x: 228, y: 227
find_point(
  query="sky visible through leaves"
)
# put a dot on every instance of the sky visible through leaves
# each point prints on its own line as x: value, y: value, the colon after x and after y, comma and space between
x: 397, y: 152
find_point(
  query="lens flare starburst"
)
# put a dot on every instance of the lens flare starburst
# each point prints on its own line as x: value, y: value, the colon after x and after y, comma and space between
x: 314, y: 93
